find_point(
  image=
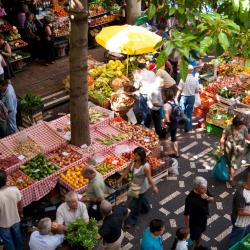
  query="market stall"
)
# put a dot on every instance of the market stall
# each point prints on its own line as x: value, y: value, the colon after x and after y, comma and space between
x: 39, y: 157
x: 229, y: 88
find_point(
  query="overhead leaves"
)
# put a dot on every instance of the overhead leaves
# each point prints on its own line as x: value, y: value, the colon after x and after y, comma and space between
x: 183, y: 69
x: 247, y: 63
x: 236, y: 5
x: 205, y: 44
x: 151, y: 11
x: 161, y: 59
x: 168, y: 49
x: 172, y: 11
x: 223, y: 40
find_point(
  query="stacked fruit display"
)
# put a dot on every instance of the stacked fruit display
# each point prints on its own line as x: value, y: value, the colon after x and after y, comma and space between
x: 27, y: 147
x: 59, y: 11
x: 95, y: 10
x: 226, y: 69
x: 73, y: 177
x: 246, y: 100
x: 18, y: 44
x: 102, y: 76
x: 101, y: 20
x: 19, y: 180
x: 39, y: 168
x: 65, y: 156
x: 96, y: 115
x: 61, y: 28
x: 7, y: 162
x: 104, y: 168
x: 219, y: 116
x: 114, y: 161
x: 127, y: 156
x: 12, y: 36
x: 5, y: 27
x: 154, y: 162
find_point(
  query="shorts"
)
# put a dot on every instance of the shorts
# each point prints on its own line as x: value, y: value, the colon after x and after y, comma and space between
x: 173, y: 132
x: 196, y: 231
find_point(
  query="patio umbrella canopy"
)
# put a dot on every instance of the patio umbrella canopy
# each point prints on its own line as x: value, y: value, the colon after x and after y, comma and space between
x: 127, y: 39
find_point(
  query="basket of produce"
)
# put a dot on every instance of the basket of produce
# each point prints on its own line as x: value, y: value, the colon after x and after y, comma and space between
x: 157, y: 166
x: 20, y: 180
x: 38, y: 168
x: 64, y: 156
x: 72, y: 179
x: 120, y: 82
x: 121, y: 102
x: 219, y: 115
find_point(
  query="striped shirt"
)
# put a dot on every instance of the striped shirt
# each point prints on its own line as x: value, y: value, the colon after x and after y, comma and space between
x: 189, y: 87
x: 244, y: 221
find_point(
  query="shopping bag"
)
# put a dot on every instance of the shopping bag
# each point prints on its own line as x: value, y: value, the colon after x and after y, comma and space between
x: 220, y: 170
x: 197, y: 101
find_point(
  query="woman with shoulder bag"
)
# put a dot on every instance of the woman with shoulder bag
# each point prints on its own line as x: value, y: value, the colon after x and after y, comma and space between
x: 233, y: 144
x: 141, y: 179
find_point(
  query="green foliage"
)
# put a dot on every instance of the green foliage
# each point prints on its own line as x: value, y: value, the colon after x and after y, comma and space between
x: 82, y: 234
x: 30, y: 101
x: 204, y: 26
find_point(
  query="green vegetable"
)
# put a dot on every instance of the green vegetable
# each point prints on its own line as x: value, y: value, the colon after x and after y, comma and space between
x: 38, y: 168
x: 82, y: 234
x: 30, y: 101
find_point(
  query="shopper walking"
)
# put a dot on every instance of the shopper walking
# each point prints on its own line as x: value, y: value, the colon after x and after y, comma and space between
x: 96, y: 191
x: 197, y: 210
x: 8, y: 97
x: 233, y: 144
x: 187, y: 90
x: 111, y: 229
x: 152, y: 237
x: 43, y: 239
x: 48, y: 42
x: 170, y: 121
x: 10, y: 211
x: 241, y: 212
x: 180, y: 241
x: 141, y: 172
x: 6, y: 53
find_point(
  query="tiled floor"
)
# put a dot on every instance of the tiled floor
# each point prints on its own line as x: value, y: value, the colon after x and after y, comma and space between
x: 169, y: 204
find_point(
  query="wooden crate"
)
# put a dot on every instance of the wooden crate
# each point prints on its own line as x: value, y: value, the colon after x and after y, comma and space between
x: 29, y: 120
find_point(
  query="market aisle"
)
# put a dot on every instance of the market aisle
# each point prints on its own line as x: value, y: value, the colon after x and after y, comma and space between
x: 169, y: 204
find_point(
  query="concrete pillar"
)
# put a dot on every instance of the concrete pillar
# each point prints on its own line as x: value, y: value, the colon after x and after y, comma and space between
x: 133, y: 10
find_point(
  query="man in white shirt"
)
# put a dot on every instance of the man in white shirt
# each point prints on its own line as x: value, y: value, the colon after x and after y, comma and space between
x: 187, y: 90
x: 43, y: 239
x: 155, y: 103
x: 10, y: 209
x: 70, y: 210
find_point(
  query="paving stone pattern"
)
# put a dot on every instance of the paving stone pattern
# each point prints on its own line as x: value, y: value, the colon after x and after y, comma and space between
x: 169, y: 204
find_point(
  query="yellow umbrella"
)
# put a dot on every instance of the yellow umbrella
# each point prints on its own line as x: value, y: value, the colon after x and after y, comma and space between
x: 127, y: 39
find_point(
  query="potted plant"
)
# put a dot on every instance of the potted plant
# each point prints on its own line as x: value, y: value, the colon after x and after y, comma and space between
x: 81, y: 235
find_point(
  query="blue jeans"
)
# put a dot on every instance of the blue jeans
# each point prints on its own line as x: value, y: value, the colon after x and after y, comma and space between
x: 146, y: 116
x: 12, y: 237
x: 187, y: 105
x: 238, y: 233
x: 137, y: 206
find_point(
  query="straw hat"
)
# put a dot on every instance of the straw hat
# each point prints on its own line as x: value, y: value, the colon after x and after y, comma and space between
x: 167, y: 79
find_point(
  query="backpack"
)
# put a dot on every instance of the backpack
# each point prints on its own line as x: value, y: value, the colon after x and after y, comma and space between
x: 177, y: 115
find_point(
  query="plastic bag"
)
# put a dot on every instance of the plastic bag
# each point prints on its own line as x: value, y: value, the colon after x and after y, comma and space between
x: 174, y: 167
x: 197, y: 101
x: 220, y: 170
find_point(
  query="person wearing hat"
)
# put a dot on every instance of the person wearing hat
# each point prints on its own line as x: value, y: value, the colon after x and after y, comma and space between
x: 187, y: 90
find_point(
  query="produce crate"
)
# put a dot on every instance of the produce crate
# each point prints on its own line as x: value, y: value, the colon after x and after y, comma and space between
x: 226, y: 101
x: 31, y: 119
x: 159, y: 170
x: 240, y: 245
x: 241, y: 110
x: 212, y: 129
